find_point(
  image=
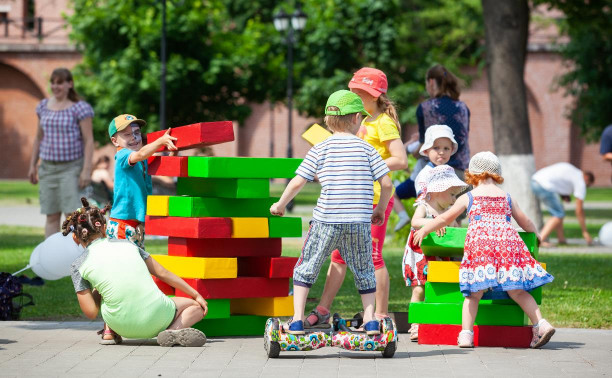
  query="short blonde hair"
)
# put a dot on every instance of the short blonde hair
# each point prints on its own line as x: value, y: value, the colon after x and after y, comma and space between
x: 340, y: 122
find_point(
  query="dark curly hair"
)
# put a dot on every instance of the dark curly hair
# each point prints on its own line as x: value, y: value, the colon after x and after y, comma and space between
x: 87, y: 222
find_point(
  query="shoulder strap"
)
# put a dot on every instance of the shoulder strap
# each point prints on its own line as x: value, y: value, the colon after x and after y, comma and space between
x: 509, y: 200
x: 431, y: 164
x: 471, y: 197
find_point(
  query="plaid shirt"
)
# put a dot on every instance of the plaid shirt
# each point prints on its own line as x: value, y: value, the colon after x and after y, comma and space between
x: 62, y: 139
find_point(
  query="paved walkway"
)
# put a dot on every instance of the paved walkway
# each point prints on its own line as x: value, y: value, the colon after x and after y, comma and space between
x: 70, y: 349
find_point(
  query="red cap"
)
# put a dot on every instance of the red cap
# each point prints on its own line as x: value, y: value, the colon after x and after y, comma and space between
x: 370, y: 80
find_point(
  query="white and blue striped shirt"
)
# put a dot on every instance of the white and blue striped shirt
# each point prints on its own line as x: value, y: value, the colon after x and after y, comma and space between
x: 346, y: 167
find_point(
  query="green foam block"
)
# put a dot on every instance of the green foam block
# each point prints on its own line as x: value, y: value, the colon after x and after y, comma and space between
x: 223, y: 187
x: 235, y: 325
x: 218, y: 308
x: 280, y: 227
x: 450, y: 313
x: 219, y: 207
x: 242, y: 167
x: 451, y: 244
x: 444, y: 292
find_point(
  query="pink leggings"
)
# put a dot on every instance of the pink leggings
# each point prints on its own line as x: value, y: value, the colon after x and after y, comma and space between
x: 378, y: 240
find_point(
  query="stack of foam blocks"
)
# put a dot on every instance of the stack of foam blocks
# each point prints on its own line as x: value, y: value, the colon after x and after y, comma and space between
x: 500, y: 321
x: 222, y: 239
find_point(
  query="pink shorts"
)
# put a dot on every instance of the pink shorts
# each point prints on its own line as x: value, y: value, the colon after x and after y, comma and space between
x: 378, y: 240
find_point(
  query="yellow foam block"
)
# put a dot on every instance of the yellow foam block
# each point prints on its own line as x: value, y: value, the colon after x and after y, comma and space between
x: 199, y: 267
x: 316, y: 134
x: 157, y: 205
x: 250, y: 228
x: 272, y: 306
x: 447, y: 271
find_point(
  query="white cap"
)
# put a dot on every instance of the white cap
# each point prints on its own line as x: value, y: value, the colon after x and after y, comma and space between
x: 441, y: 178
x: 485, y: 161
x: 434, y: 132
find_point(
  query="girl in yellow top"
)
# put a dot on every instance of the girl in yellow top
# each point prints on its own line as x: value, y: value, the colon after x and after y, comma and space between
x: 382, y: 131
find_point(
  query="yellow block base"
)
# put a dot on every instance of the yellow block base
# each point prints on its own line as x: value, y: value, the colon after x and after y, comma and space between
x: 273, y: 306
x: 157, y: 205
x: 250, y: 228
x: 199, y: 267
x: 447, y: 271
x: 316, y: 134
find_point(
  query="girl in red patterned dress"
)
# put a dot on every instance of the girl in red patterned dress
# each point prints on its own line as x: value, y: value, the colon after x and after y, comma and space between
x: 495, y: 257
x: 437, y: 195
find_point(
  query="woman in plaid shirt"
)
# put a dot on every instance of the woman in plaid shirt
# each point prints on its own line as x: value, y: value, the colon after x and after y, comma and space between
x: 64, y: 145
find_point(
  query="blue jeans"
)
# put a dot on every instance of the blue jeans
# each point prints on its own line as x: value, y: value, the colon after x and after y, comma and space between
x: 551, y: 200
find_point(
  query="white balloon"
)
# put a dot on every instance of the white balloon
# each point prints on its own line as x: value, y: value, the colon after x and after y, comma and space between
x: 605, y: 234
x: 52, y: 258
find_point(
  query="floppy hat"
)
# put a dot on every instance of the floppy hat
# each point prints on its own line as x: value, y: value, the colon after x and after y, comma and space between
x: 370, y: 80
x: 344, y: 102
x: 485, y: 161
x: 122, y: 121
x: 434, y: 132
x: 441, y: 178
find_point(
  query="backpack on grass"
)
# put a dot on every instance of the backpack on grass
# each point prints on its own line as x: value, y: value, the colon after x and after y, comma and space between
x: 11, y: 297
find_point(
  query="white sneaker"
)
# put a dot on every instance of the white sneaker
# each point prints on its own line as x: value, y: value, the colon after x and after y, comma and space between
x: 465, y: 339
x: 404, y: 219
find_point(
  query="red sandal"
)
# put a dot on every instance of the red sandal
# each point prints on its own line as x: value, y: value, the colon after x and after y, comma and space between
x: 116, y: 340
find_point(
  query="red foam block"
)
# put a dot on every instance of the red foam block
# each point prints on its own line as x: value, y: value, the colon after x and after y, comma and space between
x: 164, y: 287
x: 175, y: 166
x: 189, y: 227
x: 486, y: 336
x: 231, y: 247
x: 271, y: 267
x: 241, y: 287
x: 197, y: 135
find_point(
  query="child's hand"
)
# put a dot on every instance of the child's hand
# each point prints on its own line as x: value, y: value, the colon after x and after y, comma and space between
x: 417, y: 237
x: 277, y: 209
x: 378, y: 216
x: 441, y: 232
x: 202, y: 303
x: 166, y: 140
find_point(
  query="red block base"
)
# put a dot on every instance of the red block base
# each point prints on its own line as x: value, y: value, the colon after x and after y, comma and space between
x: 487, y: 336
x: 174, y: 166
x: 271, y: 267
x: 230, y: 247
x: 197, y: 135
x: 189, y: 227
x: 241, y: 287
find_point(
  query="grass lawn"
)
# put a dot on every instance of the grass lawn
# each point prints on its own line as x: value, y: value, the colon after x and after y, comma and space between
x: 580, y: 296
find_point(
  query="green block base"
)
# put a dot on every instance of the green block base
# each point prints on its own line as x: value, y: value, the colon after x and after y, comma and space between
x: 444, y: 292
x: 218, y: 308
x: 241, y: 167
x: 450, y: 313
x: 223, y: 188
x: 452, y: 243
x: 235, y: 325
x: 280, y: 227
x: 220, y: 207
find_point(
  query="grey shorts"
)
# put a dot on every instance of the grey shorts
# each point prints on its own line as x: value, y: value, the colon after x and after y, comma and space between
x: 353, y: 240
x: 59, y: 186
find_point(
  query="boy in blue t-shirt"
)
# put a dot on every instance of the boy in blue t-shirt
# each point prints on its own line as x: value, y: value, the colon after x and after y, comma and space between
x: 346, y: 167
x: 132, y: 181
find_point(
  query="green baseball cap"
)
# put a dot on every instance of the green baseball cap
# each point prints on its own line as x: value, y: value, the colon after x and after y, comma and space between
x: 122, y: 121
x: 344, y: 102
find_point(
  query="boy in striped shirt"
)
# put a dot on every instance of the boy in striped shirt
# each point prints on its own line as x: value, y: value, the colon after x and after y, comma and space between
x: 346, y: 167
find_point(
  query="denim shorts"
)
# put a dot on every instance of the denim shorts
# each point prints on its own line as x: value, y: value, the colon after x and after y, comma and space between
x: 551, y: 200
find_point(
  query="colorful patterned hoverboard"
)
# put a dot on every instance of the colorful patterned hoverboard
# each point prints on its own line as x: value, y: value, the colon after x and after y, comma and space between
x: 338, y: 335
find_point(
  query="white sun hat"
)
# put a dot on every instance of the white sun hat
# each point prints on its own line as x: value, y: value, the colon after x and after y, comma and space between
x: 485, y: 161
x: 441, y: 178
x: 434, y: 132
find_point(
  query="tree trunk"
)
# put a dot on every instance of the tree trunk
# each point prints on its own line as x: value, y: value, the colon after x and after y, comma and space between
x: 506, y: 28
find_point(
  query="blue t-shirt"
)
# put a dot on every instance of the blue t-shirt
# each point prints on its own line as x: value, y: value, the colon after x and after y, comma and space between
x: 456, y: 115
x: 132, y: 186
x: 606, y: 141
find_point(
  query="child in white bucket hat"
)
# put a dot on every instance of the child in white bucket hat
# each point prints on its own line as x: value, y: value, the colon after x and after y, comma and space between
x: 438, y: 194
x: 495, y: 257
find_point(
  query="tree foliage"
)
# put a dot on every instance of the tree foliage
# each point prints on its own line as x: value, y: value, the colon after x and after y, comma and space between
x: 589, y: 57
x: 224, y: 54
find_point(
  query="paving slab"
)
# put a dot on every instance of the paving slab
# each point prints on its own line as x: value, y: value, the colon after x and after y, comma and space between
x: 71, y: 349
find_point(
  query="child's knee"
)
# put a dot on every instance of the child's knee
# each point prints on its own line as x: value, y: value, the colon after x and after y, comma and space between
x: 516, y: 293
x: 476, y: 296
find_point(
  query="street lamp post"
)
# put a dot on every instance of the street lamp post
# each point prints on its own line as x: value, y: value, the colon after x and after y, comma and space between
x: 291, y: 23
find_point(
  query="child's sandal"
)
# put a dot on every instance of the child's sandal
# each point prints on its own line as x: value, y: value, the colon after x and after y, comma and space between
x: 116, y: 340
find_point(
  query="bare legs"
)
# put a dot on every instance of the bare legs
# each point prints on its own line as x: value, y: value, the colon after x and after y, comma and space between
x: 521, y: 297
x: 418, y: 294
x: 382, y: 291
x: 553, y: 223
x: 52, y: 224
x: 470, y: 309
x: 300, y: 293
x: 188, y: 313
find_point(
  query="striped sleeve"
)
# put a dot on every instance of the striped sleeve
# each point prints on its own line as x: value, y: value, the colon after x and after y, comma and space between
x: 308, y: 167
x: 378, y: 166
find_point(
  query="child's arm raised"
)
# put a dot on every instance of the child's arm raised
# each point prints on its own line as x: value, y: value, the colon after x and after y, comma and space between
x: 293, y: 188
x: 442, y: 220
x: 523, y: 220
x: 386, y: 188
x: 89, y: 302
x: 149, y: 149
x: 175, y: 281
